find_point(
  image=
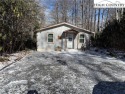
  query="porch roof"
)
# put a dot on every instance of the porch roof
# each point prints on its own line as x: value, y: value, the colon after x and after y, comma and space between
x: 71, y: 30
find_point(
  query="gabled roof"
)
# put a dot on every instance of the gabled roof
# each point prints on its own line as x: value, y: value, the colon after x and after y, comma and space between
x: 67, y: 25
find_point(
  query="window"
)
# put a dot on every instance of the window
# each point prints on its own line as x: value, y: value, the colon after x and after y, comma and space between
x: 50, y: 37
x: 70, y: 37
x: 81, y: 39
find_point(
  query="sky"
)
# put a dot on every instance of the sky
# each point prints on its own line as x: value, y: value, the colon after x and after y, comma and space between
x: 48, y: 4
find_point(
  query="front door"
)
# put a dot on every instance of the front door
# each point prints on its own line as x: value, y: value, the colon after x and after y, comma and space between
x: 70, y: 41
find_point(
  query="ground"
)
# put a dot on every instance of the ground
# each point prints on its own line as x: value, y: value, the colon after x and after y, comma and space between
x: 70, y: 72
x: 9, y: 59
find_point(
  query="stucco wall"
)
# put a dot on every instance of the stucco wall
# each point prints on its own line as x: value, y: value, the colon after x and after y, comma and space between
x: 43, y: 45
x: 77, y: 40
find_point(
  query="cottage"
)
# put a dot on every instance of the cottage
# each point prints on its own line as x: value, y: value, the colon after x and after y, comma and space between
x: 62, y: 36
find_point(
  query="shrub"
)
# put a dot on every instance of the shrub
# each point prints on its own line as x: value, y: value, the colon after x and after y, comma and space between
x: 30, y: 44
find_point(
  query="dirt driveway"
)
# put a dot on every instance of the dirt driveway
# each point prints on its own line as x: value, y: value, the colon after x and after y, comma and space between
x: 64, y: 73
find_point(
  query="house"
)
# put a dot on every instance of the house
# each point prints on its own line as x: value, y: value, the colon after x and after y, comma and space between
x: 62, y: 36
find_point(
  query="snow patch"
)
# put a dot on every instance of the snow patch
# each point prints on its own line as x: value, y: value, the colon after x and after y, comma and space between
x: 20, y: 82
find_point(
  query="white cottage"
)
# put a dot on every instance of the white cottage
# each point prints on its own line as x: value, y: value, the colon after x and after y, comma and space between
x: 62, y: 36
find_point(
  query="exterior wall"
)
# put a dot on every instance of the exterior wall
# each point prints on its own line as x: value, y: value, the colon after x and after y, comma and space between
x: 42, y: 39
x: 86, y: 40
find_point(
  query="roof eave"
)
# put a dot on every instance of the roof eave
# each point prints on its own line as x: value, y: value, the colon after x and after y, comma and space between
x: 65, y: 24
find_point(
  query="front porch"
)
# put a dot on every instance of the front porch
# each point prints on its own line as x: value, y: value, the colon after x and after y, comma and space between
x: 69, y: 39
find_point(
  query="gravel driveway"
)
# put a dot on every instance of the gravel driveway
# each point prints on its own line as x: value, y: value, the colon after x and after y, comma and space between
x: 64, y: 73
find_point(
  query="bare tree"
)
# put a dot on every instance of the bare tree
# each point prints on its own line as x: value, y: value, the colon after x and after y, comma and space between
x: 98, y: 23
x: 95, y: 21
x: 81, y: 13
x: 57, y: 12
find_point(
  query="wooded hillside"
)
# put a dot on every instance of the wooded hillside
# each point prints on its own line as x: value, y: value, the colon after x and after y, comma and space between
x: 18, y: 20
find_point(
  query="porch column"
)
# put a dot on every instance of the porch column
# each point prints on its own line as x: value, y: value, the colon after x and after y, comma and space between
x: 77, y: 41
x: 65, y: 42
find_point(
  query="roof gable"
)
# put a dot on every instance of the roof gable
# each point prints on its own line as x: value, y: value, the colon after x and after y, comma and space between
x: 67, y: 25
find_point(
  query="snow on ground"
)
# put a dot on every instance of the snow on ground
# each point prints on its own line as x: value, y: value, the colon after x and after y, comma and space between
x: 71, y: 72
x: 13, y: 58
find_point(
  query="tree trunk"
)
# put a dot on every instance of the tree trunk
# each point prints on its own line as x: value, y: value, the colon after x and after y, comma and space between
x: 98, y: 24
x: 95, y: 21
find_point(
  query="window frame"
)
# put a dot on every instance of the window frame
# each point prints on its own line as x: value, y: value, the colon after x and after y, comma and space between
x: 48, y: 38
x: 81, y: 38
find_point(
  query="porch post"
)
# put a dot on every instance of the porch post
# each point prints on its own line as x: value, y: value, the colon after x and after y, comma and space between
x: 65, y: 42
x: 77, y: 40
